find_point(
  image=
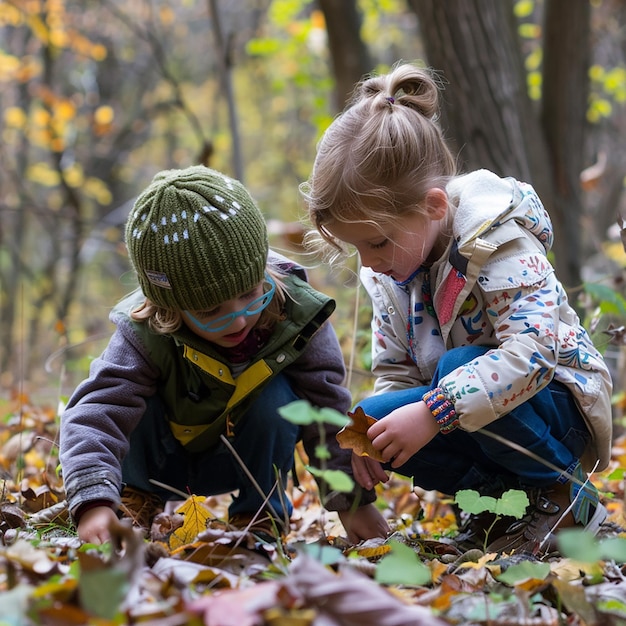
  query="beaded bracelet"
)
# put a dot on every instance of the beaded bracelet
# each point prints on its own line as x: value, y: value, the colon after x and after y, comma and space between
x: 442, y: 409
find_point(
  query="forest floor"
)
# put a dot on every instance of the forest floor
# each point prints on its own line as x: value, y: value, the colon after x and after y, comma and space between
x: 188, y: 574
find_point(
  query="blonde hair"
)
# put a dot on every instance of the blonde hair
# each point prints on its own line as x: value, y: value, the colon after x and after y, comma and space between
x: 378, y: 158
x: 167, y: 321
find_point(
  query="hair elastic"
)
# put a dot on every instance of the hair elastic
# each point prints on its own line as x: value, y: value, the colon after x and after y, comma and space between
x: 391, y: 100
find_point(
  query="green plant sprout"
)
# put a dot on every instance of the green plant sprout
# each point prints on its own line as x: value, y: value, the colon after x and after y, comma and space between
x: 512, y: 503
x: 302, y: 413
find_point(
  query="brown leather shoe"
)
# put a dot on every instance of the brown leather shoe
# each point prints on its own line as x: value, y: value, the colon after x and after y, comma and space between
x: 551, y: 509
x: 261, y: 524
x: 140, y: 507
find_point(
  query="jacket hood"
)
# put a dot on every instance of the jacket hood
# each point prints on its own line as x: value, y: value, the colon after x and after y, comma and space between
x: 483, y: 201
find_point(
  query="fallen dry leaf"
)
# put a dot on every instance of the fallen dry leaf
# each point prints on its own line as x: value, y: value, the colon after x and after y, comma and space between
x: 220, y: 563
x: 237, y: 607
x: 195, y: 517
x: 350, y: 598
x: 354, y: 435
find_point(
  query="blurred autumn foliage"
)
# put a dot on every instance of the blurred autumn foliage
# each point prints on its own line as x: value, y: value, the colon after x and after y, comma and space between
x: 97, y: 96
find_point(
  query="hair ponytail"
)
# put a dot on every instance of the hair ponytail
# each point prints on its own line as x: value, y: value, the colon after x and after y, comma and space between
x: 378, y: 159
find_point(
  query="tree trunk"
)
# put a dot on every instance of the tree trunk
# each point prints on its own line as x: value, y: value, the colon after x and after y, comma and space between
x: 13, y: 232
x: 487, y: 111
x: 349, y: 55
x: 604, y: 196
x: 224, y: 65
x: 566, y: 54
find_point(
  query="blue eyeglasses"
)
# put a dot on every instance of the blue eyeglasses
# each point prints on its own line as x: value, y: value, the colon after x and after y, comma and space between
x: 256, y: 306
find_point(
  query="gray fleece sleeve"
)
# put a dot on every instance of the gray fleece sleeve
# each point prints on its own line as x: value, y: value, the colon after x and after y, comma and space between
x: 100, y: 416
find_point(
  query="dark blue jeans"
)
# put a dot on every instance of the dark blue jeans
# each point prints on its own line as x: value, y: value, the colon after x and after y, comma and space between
x: 549, y: 425
x: 263, y: 439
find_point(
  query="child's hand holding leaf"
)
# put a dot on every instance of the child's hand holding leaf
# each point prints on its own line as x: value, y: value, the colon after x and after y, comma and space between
x: 354, y: 435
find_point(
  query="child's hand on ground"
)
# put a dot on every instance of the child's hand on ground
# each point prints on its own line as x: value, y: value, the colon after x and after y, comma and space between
x: 93, y: 526
x: 366, y: 522
x: 402, y: 433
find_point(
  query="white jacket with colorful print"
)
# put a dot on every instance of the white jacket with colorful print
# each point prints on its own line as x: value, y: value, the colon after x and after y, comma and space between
x: 494, y: 286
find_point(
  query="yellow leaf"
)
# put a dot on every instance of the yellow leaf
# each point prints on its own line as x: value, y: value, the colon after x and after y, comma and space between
x: 43, y: 174
x: 15, y: 117
x: 64, y: 110
x: 189, y: 506
x: 484, y: 561
x: 32, y: 458
x: 9, y: 66
x: 277, y: 616
x: 9, y: 14
x: 97, y: 189
x: 103, y: 115
x: 58, y: 38
x: 74, y: 175
x: 570, y: 570
x: 615, y: 251
x: 38, y: 28
x: 438, y: 570
x: 195, y: 517
x: 440, y: 523
x: 523, y: 8
x: 41, y: 117
x: 60, y: 589
x: 372, y: 551
x: 29, y: 68
x: 98, y: 52
x: 529, y: 31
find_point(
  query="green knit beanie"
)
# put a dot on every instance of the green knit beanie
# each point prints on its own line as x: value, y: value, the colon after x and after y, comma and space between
x: 196, y: 238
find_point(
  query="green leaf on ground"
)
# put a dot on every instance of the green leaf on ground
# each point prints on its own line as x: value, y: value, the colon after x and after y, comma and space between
x: 512, y: 502
x: 402, y: 566
x: 526, y: 570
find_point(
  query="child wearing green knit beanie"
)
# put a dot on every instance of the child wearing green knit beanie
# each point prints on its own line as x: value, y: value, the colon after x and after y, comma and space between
x: 221, y: 333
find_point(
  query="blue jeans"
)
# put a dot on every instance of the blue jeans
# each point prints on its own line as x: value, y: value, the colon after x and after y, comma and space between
x: 262, y: 438
x: 549, y: 425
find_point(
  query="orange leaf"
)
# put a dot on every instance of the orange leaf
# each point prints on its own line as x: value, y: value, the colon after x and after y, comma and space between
x: 354, y: 435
